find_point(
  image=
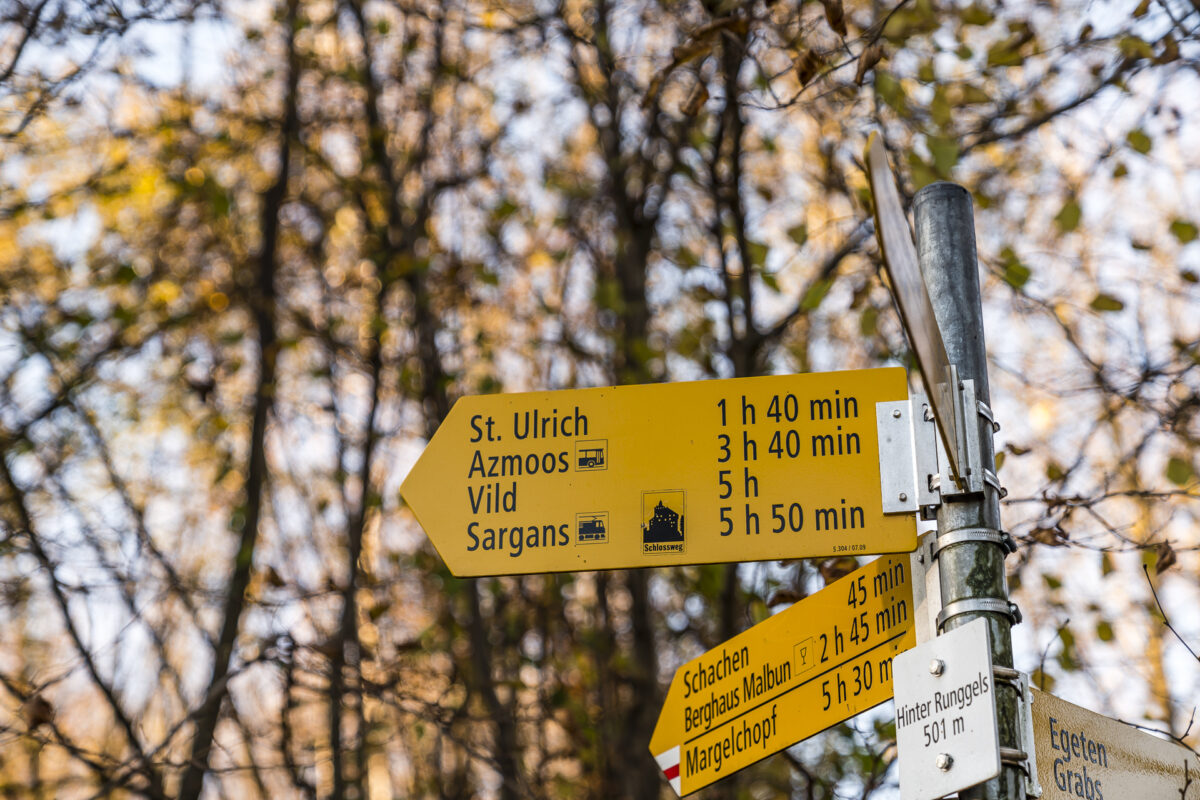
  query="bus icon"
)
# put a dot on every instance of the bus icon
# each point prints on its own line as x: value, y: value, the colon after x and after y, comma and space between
x: 591, y: 528
x: 591, y: 455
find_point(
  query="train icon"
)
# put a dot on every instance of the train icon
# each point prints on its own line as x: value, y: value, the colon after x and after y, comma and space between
x: 591, y: 528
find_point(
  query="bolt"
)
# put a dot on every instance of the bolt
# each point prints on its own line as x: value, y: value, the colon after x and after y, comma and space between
x: 896, y: 413
x: 944, y: 762
x: 937, y: 667
x: 903, y: 497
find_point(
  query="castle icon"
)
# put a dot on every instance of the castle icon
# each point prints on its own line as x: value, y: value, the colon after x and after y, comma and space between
x: 665, y: 525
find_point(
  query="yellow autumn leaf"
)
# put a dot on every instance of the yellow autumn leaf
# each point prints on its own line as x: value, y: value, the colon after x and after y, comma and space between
x: 163, y: 292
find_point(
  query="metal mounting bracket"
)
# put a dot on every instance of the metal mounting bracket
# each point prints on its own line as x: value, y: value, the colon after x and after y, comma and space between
x: 925, y: 444
x: 971, y: 481
x: 977, y: 474
x: 914, y: 472
x: 1024, y: 757
x: 897, y: 475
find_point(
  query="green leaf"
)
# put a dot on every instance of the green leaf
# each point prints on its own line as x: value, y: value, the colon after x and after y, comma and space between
x: 1004, y: 54
x: 1184, y: 230
x: 1055, y: 472
x: 815, y: 294
x: 977, y: 14
x: 1066, y: 656
x: 504, y: 210
x: 1051, y: 582
x: 939, y: 107
x: 868, y: 323
x: 486, y: 276
x: 1016, y: 274
x: 1106, y: 565
x: 1106, y: 302
x: 945, y: 154
x: 922, y: 173
x: 126, y: 274
x: 798, y: 234
x: 1120, y: 170
x: 1068, y: 216
x: 771, y: 282
x: 758, y: 253
x: 889, y: 90
x: 971, y: 95
x: 1042, y: 680
x: 1104, y: 631
x: 1170, y: 50
x: 1134, y: 48
x: 1179, y: 471
x: 1139, y: 141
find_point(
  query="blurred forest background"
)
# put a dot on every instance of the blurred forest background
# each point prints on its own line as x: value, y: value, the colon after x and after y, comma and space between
x: 251, y: 252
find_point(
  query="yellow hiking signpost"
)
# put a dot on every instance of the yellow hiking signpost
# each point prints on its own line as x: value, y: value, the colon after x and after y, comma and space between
x: 820, y: 662
x: 746, y: 469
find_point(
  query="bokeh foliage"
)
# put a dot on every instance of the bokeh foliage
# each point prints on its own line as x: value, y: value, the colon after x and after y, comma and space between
x: 252, y: 252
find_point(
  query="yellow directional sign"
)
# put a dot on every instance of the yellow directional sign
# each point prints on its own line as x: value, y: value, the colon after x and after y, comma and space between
x: 1082, y: 755
x: 647, y: 476
x: 820, y: 662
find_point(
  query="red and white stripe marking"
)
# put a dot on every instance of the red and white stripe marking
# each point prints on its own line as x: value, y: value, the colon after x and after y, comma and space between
x: 668, y: 762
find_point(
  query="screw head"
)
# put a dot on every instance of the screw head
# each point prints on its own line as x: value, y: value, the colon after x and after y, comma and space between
x: 903, y: 496
x: 895, y: 413
x: 944, y: 762
x: 937, y: 667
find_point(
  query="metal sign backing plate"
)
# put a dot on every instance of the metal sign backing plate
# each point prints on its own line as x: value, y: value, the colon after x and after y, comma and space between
x: 912, y: 296
x: 897, y: 478
x: 946, y: 731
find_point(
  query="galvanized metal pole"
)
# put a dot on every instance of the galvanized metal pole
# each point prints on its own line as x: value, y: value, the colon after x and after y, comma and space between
x: 970, y: 570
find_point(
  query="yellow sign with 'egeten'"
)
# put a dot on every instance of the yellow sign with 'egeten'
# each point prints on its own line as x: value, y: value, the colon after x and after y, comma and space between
x: 646, y: 476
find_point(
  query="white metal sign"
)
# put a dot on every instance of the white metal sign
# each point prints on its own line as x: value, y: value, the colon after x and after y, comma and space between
x: 946, y: 730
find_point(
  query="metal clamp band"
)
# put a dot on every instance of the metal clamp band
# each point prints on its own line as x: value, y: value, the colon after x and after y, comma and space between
x: 993, y: 480
x: 985, y: 411
x: 1011, y: 755
x: 977, y: 605
x: 1007, y: 675
x: 1005, y: 540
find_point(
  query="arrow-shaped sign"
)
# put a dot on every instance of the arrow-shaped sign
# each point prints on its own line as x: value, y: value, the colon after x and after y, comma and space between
x: 747, y: 469
x: 908, y: 287
x: 1082, y: 754
x: 820, y: 662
